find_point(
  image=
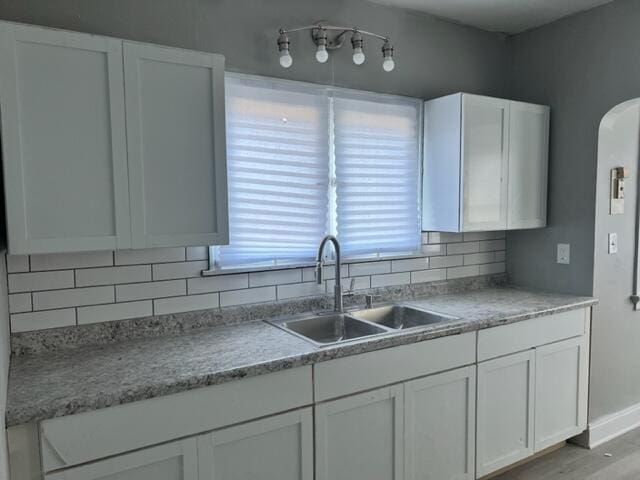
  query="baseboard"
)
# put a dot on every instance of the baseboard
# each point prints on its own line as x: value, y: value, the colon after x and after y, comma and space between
x: 607, y: 428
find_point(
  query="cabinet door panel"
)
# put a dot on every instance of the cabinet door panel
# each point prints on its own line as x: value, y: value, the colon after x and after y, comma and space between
x: 505, y: 411
x: 360, y: 437
x: 561, y: 391
x: 276, y: 448
x: 440, y: 426
x: 176, y: 145
x: 64, y: 149
x: 485, y: 137
x: 172, y: 461
x: 528, y: 160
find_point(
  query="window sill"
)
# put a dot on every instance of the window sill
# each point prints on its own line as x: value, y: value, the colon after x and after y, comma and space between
x: 211, y: 272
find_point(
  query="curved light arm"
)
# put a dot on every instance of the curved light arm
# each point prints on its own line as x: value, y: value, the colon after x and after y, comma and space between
x: 342, y: 30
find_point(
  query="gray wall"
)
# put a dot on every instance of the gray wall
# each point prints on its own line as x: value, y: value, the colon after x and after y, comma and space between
x: 582, y: 66
x: 615, y: 356
x: 433, y: 57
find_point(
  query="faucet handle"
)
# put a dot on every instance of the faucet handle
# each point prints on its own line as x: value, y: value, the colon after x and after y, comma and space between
x: 368, y: 300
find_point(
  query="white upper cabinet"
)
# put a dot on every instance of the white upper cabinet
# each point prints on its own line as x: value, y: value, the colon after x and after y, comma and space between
x: 109, y: 146
x: 63, y: 141
x: 485, y: 164
x: 176, y: 145
x: 528, y: 162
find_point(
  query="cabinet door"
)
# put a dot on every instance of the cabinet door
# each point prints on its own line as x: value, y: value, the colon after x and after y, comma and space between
x: 485, y: 138
x: 171, y: 461
x: 63, y: 140
x: 276, y: 448
x: 361, y: 437
x: 528, y: 161
x: 505, y: 411
x: 440, y: 426
x: 176, y: 146
x: 561, y: 391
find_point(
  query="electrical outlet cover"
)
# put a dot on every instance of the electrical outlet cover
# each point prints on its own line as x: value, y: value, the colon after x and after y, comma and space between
x: 613, y: 243
x: 564, y: 253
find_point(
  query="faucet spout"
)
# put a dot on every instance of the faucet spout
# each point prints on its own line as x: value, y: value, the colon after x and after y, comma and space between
x: 337, y: 289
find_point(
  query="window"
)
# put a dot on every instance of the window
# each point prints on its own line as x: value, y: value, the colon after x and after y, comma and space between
x: 305, y: 160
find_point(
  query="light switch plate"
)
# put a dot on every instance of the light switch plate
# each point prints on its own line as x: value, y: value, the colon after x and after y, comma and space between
x: 613, y: 243
x: 564, y: 253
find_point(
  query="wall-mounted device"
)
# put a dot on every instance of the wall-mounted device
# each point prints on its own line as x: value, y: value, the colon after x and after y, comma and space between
x: 618, y: 175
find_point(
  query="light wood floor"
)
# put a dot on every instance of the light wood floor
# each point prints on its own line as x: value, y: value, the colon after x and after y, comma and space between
x: 576, y: 463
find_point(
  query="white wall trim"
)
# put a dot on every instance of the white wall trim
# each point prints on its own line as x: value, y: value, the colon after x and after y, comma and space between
x: 611, y: 426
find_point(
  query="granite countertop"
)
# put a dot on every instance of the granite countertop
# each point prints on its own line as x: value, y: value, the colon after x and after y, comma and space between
x: 91, y: 377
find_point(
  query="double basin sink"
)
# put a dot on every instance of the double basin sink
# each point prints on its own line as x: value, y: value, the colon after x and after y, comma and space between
x: 331, y: 329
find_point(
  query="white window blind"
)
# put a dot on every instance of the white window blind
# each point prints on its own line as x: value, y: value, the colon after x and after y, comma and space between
x: 377, y: 174
x: 278, y: 171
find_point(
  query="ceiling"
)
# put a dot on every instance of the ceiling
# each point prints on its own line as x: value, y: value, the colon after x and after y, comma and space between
x: 508, y: 16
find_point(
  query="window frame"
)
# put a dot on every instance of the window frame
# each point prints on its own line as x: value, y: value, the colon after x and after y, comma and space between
x: 330, y: 91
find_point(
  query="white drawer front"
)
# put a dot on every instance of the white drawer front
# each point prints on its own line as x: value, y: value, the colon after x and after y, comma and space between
x: 344, y: 376
x: 75, y: 439
x: 506, y: 339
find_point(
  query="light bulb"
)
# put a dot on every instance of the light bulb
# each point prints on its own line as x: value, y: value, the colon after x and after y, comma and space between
x: 358, y: 56
x: 388, y: 64
x: 285, y: 59
x: 321, y: 54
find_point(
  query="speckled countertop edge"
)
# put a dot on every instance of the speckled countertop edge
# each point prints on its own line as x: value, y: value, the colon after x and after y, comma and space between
x: 62, y: 383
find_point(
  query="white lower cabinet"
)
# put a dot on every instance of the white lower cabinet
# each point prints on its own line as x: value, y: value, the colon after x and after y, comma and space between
x: 505, y: 411
x: 561, y: 391
x: 361, y: 437
x: 171, y: 461
x: 439, y: 420
x: 275, y: 448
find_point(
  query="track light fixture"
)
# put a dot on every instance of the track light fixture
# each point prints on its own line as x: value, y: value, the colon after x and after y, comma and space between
x: 324, y: 44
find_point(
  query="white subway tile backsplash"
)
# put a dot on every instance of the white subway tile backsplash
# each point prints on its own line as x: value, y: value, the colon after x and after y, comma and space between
x: 369, y: 268
x: 328, y: 272
x: 463, y: 247
x: 72, y: 297
x: 489, y: 245
x: 446, y: 261
x: 65, y: 289
x: 24, y: 322
x: 300, y: 290
x: 274, y: 277
x: 64, y: 261
x: 459, y: 272
x: 217, y: 283
x: 428, y: 275
x: 249, y: 295
x: 31, y: 282
x: 162, y: 306
x: 170, y: 271
x: 475, y: 236
x: 409, y: 264
x: 444, y: 237
x: 143, y: 291
x: 149, y: 255
x: 360, y: 283
x: 89, y: 277
x: 17, y: 263
x: 390, y: 279
x: 197, y: 253
x: 117, y: 311
x: 434, y: 250
x: 19, y: 302
x: 479, y: 258
x: 492, y: 268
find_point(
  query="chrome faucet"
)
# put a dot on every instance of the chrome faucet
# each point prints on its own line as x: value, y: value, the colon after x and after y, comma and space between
x: 337, y: 289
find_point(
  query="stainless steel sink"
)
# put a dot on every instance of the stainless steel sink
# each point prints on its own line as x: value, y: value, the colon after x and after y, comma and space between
x: 324, y: 330
x: 400, y: 317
